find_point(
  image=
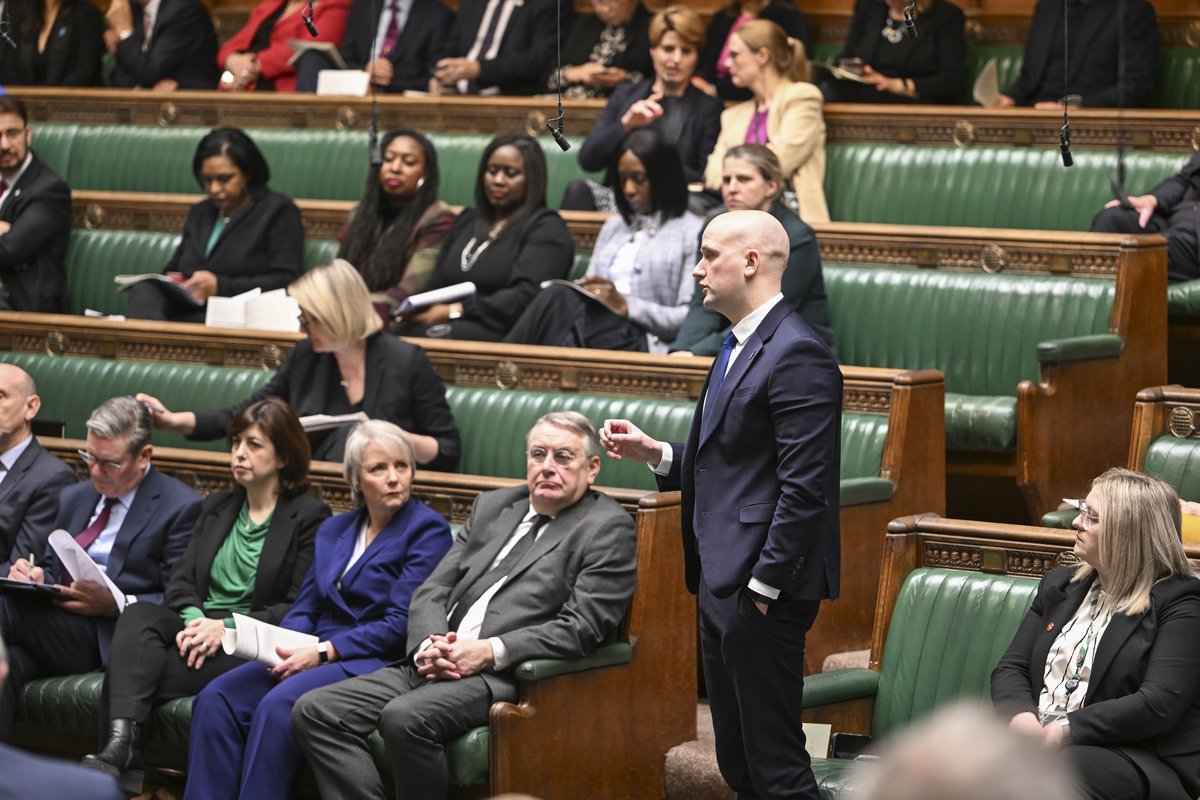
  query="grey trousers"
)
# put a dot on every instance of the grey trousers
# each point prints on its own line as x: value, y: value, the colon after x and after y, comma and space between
x: 415, y: 718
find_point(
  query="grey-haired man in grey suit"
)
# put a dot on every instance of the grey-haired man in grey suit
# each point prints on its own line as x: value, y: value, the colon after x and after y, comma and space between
x: 544, y: 570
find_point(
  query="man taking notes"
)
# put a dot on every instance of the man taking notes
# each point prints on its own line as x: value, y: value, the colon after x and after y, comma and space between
x: 132, y: 520
x: 759, y: 475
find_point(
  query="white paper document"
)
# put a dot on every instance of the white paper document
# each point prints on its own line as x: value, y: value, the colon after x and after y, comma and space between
x: 273, y: 311
x: 79, y: 564
x: 987, y: 86
x: 343, y: 82
x: 324, y: 422
x: 255, y: 640
x: 447, y: 294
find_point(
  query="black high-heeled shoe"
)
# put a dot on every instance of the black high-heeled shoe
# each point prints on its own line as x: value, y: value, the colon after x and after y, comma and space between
x: 121, y: 755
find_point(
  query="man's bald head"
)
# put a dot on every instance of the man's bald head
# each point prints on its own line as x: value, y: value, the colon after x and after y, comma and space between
x: 744, y: 254
x: 19, y: 404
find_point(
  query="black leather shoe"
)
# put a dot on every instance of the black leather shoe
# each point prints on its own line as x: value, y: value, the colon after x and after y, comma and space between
x: 121, y: 755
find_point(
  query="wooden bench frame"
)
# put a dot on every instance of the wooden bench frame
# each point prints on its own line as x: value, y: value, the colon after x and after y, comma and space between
x: 1172, y: 130
x: 913, y: 457
x: 535, y: 743
x: 1162, y: 410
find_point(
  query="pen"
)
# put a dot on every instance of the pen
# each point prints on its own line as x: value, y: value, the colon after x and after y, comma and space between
x: 32, y: 564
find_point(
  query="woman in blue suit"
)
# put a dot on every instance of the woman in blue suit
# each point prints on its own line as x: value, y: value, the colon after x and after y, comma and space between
x: 354, y: 599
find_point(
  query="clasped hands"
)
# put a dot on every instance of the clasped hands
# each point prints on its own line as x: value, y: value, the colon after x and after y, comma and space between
x: 245, y: 69
x: 448, y: 658
x: 1027, y: 724
x: 199, y: 640
x: 448, y: 71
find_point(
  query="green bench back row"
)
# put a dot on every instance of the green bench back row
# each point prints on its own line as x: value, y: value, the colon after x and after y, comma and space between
x: 1176, y: 85
x: 312, y: 164
x: 1003, y: 187
x: 492, y: 422
x: 981, y: 330
x: 95, y: 257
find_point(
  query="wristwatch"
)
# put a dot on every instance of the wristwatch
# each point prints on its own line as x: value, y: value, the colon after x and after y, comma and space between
x: 323, y: 652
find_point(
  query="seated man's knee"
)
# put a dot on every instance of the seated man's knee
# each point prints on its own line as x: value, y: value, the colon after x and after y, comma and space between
x: 1114, y: 220
x: 399, y: 724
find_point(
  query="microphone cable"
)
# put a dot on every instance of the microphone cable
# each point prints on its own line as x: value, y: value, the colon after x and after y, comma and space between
x: 1116, y: 178
x: 374, y: 153
x: 1064, y: 133
x: 557, y: 132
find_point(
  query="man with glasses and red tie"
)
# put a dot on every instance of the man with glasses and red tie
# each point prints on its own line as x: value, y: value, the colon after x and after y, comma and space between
x: 132, y: 520
x: 397, y: 41
x: 35, y: 220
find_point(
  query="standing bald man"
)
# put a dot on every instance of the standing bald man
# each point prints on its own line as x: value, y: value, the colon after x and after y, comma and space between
x: 759, y: 476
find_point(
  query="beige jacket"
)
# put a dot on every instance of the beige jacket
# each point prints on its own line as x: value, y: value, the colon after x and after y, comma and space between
x: 796, y: 133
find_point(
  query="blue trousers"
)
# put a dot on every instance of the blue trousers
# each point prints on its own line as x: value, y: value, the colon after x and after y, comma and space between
x: 242, y: 744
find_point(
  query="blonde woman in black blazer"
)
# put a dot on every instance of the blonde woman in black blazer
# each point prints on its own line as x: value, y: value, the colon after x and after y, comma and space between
x: 1106, y: 664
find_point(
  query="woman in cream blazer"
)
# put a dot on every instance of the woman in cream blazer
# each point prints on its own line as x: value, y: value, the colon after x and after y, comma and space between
x: 773, y: 66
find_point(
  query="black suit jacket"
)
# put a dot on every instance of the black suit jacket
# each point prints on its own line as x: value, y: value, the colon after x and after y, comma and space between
x: 421, y: 40
x: 937, y: 62
x: 527, y: 50
x: 33, y: 253
x: 760, y: 470
x: 585, y: 34
x: 73, y: 51
x: 29, y: 503
x: 782, y: 12
x: 1093, y: 67
x: 401, y: 387
x: 1142, y: 693
x: 262, y: 245
x: 183, y: 47
x: 287, y: 553
x: 700, y: 124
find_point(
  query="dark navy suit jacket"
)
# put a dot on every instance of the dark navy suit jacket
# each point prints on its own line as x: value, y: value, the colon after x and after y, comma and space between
x: 29, y: 503
x: 760, y: 470
x: 33, y: 777
x: 152, y: 537
x: 366, y: 616
x: 416, y: 51
x: 183, y: 47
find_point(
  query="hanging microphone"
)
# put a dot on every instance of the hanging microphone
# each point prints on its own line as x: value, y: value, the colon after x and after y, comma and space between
x: 1064, y: 142
x: 307, y: 16
x: 1064, y: 134
x: 910, y: 20
x: 5, y: 27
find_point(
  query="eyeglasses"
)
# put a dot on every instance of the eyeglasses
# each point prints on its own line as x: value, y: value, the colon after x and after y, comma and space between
x: 563, y: 457
x: 1088, y: 516
x: 305, y: 320
x: 105, y: 466
x: 12, y: 134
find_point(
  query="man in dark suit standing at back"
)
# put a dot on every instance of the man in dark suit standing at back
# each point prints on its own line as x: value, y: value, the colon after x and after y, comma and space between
x: 35, y: 220
x: 30, y: 478
x: 544, y: 570
x: 397, y: 41
x: 759, y: 475
x: 132, y: 520
x: 162, y: 45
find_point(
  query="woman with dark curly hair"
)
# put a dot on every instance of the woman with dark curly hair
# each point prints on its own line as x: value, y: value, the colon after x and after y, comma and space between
x: 506, y: 245
x: 393, y: 236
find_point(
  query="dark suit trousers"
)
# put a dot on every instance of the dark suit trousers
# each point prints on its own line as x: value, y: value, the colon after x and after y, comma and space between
x: 153, y: 300
x: 43, y: 641
x: 754, y: 674
x: 144, y: 665
x: 562, y: 317
x: 1183, y: 254
x: 415, y: 717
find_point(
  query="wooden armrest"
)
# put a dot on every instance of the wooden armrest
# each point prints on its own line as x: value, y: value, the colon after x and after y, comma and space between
x: 858, y: 491
x: 1080, y: 348
x: 605, y: 656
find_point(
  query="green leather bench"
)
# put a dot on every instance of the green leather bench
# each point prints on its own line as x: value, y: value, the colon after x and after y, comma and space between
x: 655, y: 654
x: 957, y: 593
x: 95, y: 257
x: 313, y: 164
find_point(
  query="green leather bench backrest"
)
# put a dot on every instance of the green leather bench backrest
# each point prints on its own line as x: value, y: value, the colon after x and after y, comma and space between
x: 312, y: 164
x: 981, y: 330
x: 71, y: 387
x: 96, y: 256
x: 1177, y: 84
x: 1176, y: 461
x: 990, y: 187
x: 947, y: 633
x: 863, y: 439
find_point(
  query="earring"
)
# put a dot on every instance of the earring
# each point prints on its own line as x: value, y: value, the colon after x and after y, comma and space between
x: 420, y: 182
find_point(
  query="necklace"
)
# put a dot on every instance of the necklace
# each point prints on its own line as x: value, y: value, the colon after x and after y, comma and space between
x: 471, y: 253
x: 893, y: 31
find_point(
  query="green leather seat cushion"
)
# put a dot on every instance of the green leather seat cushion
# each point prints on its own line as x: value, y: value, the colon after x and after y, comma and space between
x: 95, y: 257
x: 305, y: 163
x: 981, y: 330
x: 1183, y: 299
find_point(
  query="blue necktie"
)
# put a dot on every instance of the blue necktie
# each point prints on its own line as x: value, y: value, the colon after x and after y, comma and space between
x: 722, y: 363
